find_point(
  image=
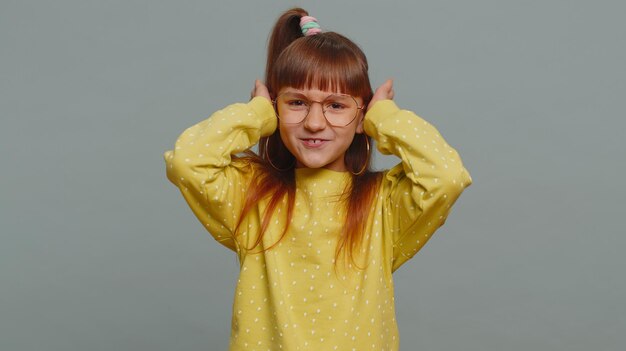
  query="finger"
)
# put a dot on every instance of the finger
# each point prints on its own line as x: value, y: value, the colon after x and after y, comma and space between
x: 388, y: 84
x: 253, y: 91
x: 390, y: 91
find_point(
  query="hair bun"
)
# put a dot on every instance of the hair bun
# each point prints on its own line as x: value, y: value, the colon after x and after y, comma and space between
x: 309, y: 26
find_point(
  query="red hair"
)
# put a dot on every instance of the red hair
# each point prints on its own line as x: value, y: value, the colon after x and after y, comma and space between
x: 326, y: 61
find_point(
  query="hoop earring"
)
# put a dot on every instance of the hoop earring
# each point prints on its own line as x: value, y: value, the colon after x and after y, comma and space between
x: 269, y: 160
x: 367, y: 143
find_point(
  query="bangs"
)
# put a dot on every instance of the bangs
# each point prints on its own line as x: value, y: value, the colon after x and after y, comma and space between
x: 325, y: 62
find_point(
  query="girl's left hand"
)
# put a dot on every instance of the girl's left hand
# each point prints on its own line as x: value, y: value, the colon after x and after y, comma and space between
x: 384, y: 92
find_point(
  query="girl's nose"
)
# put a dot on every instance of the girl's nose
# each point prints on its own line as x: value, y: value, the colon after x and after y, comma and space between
x: 315, y: 120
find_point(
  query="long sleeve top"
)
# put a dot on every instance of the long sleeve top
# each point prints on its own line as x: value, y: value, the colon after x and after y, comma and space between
x: 292, y: 296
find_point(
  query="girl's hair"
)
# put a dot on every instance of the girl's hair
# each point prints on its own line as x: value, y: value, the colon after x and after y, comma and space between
x: 326, y: 61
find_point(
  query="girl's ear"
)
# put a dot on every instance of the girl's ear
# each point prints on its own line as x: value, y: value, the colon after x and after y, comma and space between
x: 359, y: 127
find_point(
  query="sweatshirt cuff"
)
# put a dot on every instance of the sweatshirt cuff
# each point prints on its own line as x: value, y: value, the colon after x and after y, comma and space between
x: 382, y: 109
x: 264, y: 111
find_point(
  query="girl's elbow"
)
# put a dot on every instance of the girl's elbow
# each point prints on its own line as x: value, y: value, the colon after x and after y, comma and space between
x: 453, y: 185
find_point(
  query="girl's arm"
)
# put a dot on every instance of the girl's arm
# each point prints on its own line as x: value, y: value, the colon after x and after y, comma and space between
x: 420, y: 191
x: 202, y: 165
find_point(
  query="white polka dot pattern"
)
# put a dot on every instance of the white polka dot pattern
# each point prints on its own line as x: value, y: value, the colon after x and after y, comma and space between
x: 293, y: 296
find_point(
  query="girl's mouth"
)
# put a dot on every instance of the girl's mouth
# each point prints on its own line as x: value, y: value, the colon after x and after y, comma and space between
x: 313, y: 143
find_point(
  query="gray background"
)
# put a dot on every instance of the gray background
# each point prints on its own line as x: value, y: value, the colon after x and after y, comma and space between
x: 99, y: 251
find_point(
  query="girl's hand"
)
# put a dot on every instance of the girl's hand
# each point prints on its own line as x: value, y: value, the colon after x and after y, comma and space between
x: 384, y: 92
x: 260, y: 90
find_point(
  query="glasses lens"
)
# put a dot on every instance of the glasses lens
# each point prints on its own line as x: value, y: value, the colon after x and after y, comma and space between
x: 292, y: 108
x: 339, y: 110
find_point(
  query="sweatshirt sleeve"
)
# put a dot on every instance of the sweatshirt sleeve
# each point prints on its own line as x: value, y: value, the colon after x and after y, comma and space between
x: 202, y: 165
x: 419, y: 192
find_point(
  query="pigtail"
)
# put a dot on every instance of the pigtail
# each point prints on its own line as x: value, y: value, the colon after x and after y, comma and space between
x: 286, y: 30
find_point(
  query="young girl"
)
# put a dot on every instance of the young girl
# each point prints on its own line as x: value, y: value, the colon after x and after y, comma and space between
x: 318, y: 235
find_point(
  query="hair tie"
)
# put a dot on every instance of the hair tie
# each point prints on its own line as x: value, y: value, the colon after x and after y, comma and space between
x: 309, y: 26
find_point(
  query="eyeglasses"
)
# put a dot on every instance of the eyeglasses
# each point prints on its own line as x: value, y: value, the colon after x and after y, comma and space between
x: 338, y: 109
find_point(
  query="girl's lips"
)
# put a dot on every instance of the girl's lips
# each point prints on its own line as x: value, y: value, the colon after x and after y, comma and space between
x: 313, y: 143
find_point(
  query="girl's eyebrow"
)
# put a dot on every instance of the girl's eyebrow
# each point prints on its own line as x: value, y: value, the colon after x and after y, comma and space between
x: 299, y: 94
x: 296, y: 92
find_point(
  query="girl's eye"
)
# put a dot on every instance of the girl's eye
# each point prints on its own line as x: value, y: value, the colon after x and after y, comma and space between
x: 296, y: 103
x: 335, y: 106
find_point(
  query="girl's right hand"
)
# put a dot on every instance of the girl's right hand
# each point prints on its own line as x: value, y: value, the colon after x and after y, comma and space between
x: 384, y: 92
x: 260, y: 90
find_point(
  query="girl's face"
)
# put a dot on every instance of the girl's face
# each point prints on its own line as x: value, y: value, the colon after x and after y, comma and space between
x: 314, y: 142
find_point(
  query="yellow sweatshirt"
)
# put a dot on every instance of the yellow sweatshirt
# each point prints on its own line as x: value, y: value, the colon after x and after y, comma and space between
x: 291, y: 297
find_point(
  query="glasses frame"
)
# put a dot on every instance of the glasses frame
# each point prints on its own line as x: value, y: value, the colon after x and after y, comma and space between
x: 275, y: 103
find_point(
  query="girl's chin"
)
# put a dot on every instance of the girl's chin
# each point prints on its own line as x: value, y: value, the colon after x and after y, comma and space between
x: 300, y: 164
x: 332, y: 165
